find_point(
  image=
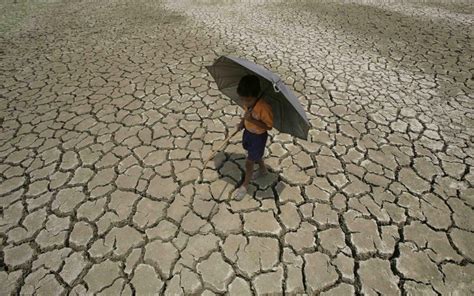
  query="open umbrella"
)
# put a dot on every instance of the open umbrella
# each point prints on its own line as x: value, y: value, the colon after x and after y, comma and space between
x: 288, y: 114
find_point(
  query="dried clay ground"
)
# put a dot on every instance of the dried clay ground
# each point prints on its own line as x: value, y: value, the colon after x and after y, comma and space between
x: 107, y: 113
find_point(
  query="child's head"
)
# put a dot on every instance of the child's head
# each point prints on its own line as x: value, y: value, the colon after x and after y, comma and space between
x: 248, y: 89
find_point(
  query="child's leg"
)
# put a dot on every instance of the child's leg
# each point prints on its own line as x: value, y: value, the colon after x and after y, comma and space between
x: 263, y: 169
x: 248, y: 172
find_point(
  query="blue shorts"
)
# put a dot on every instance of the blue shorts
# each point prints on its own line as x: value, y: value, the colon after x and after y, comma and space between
x: 254, y: 144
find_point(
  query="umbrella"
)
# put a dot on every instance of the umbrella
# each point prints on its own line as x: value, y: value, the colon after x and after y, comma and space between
x: 288, y: 115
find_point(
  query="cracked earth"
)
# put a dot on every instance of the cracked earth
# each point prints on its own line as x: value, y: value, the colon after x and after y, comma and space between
x: 107, y: 113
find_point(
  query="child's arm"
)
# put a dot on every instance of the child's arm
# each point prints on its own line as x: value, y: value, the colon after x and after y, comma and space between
x: 259, y: 123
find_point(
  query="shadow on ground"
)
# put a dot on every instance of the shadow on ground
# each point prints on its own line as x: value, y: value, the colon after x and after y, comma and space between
x: 231, y: 168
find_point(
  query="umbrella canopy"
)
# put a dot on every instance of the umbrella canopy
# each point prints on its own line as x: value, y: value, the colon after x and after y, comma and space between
x: 288, y: 114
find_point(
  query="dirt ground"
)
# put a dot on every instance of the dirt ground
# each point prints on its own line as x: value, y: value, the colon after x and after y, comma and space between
x: 107, y: 113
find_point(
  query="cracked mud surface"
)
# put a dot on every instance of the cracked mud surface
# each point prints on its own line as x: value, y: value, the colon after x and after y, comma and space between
x: 107, y: 113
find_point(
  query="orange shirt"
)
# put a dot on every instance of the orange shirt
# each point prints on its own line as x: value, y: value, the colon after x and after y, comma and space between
x: 263, y: 112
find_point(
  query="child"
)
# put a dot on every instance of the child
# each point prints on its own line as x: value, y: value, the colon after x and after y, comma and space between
x: 258, y: 119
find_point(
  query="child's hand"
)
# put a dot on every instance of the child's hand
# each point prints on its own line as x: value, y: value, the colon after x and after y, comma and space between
x: 248, y: 115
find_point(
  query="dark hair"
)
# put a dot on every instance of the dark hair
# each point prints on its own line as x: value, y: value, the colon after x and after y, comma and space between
x: 249, y: 86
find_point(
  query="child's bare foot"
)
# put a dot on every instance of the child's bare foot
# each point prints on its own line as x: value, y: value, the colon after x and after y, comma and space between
x: 240, y: 193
